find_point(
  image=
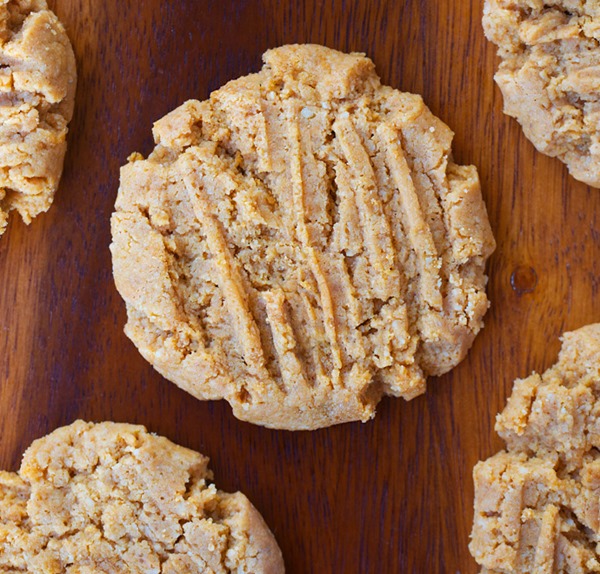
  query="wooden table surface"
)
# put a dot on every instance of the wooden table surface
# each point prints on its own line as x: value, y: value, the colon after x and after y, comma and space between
x: 392, y: 495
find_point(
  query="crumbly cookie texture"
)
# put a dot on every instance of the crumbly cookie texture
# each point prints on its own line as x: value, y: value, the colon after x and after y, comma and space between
x: 302, y: 243
x: 113, y: 498
x: 37, y: 92
x: 550, y: 76
x: 537, y: 505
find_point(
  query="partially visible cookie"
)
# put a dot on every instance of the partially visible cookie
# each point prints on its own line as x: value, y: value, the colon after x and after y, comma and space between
x: 550, y: 76
x: 37, y: 92
x: 113, y: 498
x: 537, y: 505
x: 302, y: 243
x: 531, y: 517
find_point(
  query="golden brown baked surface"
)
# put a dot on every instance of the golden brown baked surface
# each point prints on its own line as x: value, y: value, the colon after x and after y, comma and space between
x: 302, y: 243
x: 37, y: 91
x: 113, y: 498
x: 550, y: 76
x: 537, y: 505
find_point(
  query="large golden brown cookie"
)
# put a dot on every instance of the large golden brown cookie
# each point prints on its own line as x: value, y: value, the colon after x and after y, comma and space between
x: 37, y: 91
x: 537, y: 505
x: 550, y: 76
x: 113, y: 498
x: 302, y: 243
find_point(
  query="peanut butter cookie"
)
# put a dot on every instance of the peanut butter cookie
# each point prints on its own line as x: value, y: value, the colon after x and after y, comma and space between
x: 302, y: 243
x: 537, y: 505
x: 550, y: 76
x: 113, y: 498
x: 37, y: 91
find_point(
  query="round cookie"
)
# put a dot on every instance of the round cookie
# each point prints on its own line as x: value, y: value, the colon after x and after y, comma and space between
x: 302, y: 244
x: 37, y: 92
x: 549, y: 76
x: 113, y: 498
x: 537, y: 505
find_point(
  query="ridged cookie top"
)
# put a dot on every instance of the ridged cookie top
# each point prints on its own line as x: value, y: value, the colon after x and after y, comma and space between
x: 537, y: 506
x: 302, y: 243
x: 113, y: 498
x: 37, y: 91
x: 550, y: 76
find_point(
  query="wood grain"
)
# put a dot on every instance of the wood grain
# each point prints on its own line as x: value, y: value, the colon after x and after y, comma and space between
x: 393, y: 495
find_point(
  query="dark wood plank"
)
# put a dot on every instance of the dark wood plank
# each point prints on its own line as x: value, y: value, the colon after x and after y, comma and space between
x: 393, y: 495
